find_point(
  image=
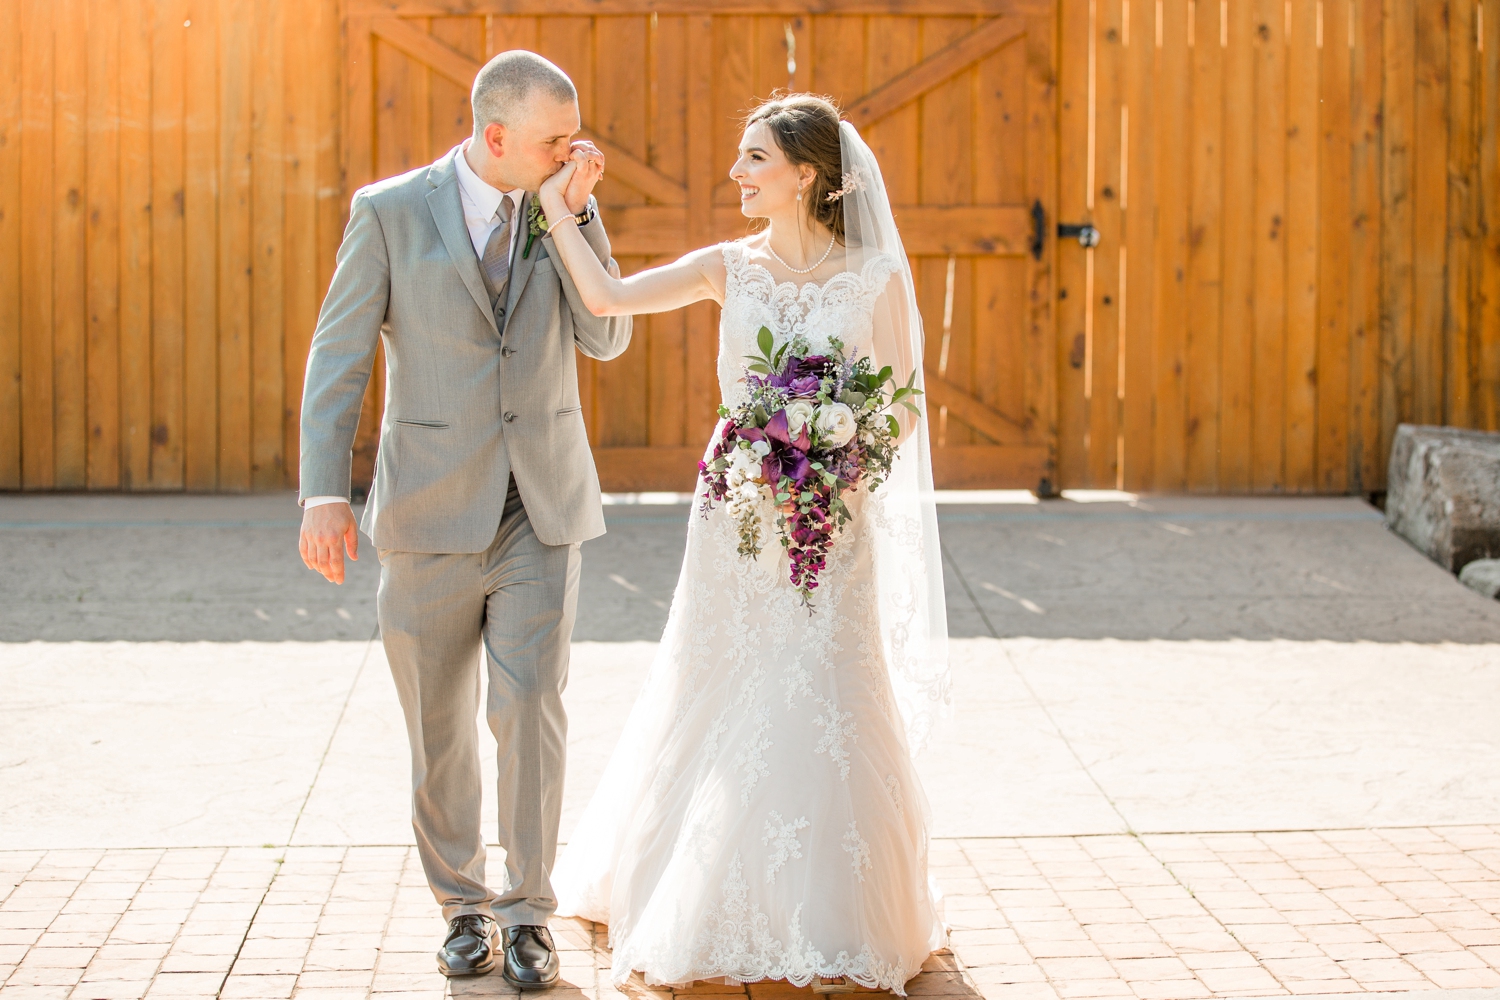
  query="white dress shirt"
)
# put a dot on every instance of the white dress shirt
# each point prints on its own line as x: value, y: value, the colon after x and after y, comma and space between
x: 481, y: 204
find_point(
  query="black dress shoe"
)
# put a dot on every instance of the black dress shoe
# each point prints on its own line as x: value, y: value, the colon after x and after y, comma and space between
x: 470, y: 948
x: 530, y: 958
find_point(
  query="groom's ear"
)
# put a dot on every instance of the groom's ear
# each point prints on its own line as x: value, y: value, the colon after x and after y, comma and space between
x: 494, y: 139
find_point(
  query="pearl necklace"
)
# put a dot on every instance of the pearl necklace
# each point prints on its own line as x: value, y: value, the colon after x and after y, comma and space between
x: 806, y: 270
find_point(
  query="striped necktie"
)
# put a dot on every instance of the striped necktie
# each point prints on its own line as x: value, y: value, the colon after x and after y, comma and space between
x: 495, y: 264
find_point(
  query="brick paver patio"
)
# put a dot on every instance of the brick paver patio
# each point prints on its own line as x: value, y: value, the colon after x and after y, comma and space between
x: 1160, y: 917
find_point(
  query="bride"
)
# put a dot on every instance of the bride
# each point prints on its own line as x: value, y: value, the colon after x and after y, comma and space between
x: 761, y: 817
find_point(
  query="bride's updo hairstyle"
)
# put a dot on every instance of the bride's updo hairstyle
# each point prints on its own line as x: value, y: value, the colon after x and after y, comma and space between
x: 806, y: 130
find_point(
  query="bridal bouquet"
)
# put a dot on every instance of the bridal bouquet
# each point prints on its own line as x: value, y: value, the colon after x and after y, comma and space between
x: 815, y: 426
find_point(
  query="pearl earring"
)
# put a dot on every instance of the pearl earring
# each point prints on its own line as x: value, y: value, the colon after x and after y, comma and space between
x: 799, y: 194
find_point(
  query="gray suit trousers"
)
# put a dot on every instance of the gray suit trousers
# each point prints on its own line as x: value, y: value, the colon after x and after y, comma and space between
x: 516, y: 602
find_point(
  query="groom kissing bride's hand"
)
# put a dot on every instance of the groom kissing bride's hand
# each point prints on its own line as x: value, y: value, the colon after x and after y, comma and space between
x: 484, y: 484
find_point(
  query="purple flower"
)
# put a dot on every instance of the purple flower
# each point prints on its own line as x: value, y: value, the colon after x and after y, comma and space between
x: 805, y: 385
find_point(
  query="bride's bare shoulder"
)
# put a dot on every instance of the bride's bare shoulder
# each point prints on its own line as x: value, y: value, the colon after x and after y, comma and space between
x: 709, y: 262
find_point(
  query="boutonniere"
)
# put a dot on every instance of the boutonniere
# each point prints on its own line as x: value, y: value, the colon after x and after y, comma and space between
x: 536, y: 223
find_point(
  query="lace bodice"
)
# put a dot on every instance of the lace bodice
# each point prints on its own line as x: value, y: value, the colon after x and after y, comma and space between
x: 839, y: 308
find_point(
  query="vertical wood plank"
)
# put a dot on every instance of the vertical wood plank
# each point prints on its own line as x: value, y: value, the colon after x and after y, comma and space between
x: 136, y: 277
x: 1205, y: 258
x: 10, y: 245
x: 395, y: 74
x: 358, y: 106
x: 770, y: 53
x: 667, y: 346
x: 1337, y: 222
x: 303, y: 291
x: 1302, y: 227
x: 837, y: 55
x: 451, y: 119
x: 70, y: 246
x: 1139, y: 205
x: 620, y: 109
x: 268, y: 215
x: 1241, y: 226
x: 702, y: 336
x: 361, y: 154
x: 1430, y: 217
x: 893, y: 48
x: 511, y: 33
x: 328, y: 83
x: 103, y: 254
x: 1040, y: 370
x: 569, y: 42
x: 734, y: 92
x: 236, y: 82
x: 1487, y: 413
x: 1267, y: 469
x: 1104, y: 404
x: 947, y: 178
x: 1173, y: 173
x: 200, y: 243
x: 167, y: 245
x: 1367, y: 461
x: 996, y: 296
x: 1460, y: 359
x: 36, y: 209
x: 1397, y: 273
x: 1073, y: 346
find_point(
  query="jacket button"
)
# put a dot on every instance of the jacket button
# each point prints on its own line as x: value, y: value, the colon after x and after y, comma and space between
x: 506, y: 352
x: 509, y: 416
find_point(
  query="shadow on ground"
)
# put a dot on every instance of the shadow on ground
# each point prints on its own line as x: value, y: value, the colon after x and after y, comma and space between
x: 226, y: 568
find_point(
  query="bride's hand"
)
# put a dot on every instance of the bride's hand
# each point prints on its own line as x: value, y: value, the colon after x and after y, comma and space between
x: 554, y: 205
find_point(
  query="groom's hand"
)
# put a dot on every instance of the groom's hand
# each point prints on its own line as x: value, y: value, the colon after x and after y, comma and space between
x: 328, y: 531
x: 590, y: 168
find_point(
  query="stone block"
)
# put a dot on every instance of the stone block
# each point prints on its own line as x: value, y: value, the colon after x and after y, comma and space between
x: 1482, y: 575
x: 1443, y: 493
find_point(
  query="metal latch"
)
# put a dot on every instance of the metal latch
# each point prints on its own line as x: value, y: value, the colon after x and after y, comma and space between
x: 1085, y: 233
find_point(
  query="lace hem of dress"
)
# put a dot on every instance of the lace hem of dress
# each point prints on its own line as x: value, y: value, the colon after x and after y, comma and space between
x: 734, y: 941
x: 863, y: 969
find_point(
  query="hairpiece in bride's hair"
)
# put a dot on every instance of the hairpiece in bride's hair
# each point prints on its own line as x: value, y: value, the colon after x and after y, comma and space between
x: 854, y: 180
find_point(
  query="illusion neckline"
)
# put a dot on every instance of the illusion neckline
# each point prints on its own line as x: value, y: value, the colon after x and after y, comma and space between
x: 777, y: 286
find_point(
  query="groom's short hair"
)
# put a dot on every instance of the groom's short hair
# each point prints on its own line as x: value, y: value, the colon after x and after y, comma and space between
x: 506, y: 81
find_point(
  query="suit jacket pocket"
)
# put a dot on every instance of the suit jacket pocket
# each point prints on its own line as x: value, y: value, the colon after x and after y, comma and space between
x: 569, y: 409
x: 436, y: 424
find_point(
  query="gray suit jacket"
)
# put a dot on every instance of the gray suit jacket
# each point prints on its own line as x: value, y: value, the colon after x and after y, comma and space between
x: 467, y: 403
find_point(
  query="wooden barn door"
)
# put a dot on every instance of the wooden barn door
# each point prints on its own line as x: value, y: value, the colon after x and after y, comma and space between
x: 959, y: 106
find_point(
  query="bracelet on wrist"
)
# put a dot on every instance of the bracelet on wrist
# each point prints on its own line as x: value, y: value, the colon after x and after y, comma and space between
x: 566, y: 218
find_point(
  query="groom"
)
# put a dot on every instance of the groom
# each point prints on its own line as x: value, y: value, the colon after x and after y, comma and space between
x: 484, y: 486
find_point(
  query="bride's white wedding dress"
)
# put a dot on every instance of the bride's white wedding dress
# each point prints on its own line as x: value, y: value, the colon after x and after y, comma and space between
x: 761, y: 817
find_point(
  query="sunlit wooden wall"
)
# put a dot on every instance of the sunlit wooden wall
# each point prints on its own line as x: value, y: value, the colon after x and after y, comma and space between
x: 170, y: 204
x: 1299, y: 203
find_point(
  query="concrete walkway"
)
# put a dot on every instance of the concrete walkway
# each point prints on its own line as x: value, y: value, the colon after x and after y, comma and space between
x: 199, y: 732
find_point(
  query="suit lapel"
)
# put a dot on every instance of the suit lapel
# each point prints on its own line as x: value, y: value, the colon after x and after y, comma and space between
x: 448, y: 212
x: 521, y: 267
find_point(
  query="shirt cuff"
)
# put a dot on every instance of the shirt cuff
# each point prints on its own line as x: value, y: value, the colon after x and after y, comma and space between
x: 320, y: 501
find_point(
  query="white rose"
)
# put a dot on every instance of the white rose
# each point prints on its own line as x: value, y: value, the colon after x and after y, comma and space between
x: 744, y: 463
x: 799, y: 413
x: 836, y: 424
x: 761, y: 448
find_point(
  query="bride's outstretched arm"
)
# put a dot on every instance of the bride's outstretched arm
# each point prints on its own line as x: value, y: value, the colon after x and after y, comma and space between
x: 691, y: 278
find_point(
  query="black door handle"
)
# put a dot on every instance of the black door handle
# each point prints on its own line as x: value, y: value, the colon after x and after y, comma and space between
x: 1038, y: 229
x: 1084, y: 232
